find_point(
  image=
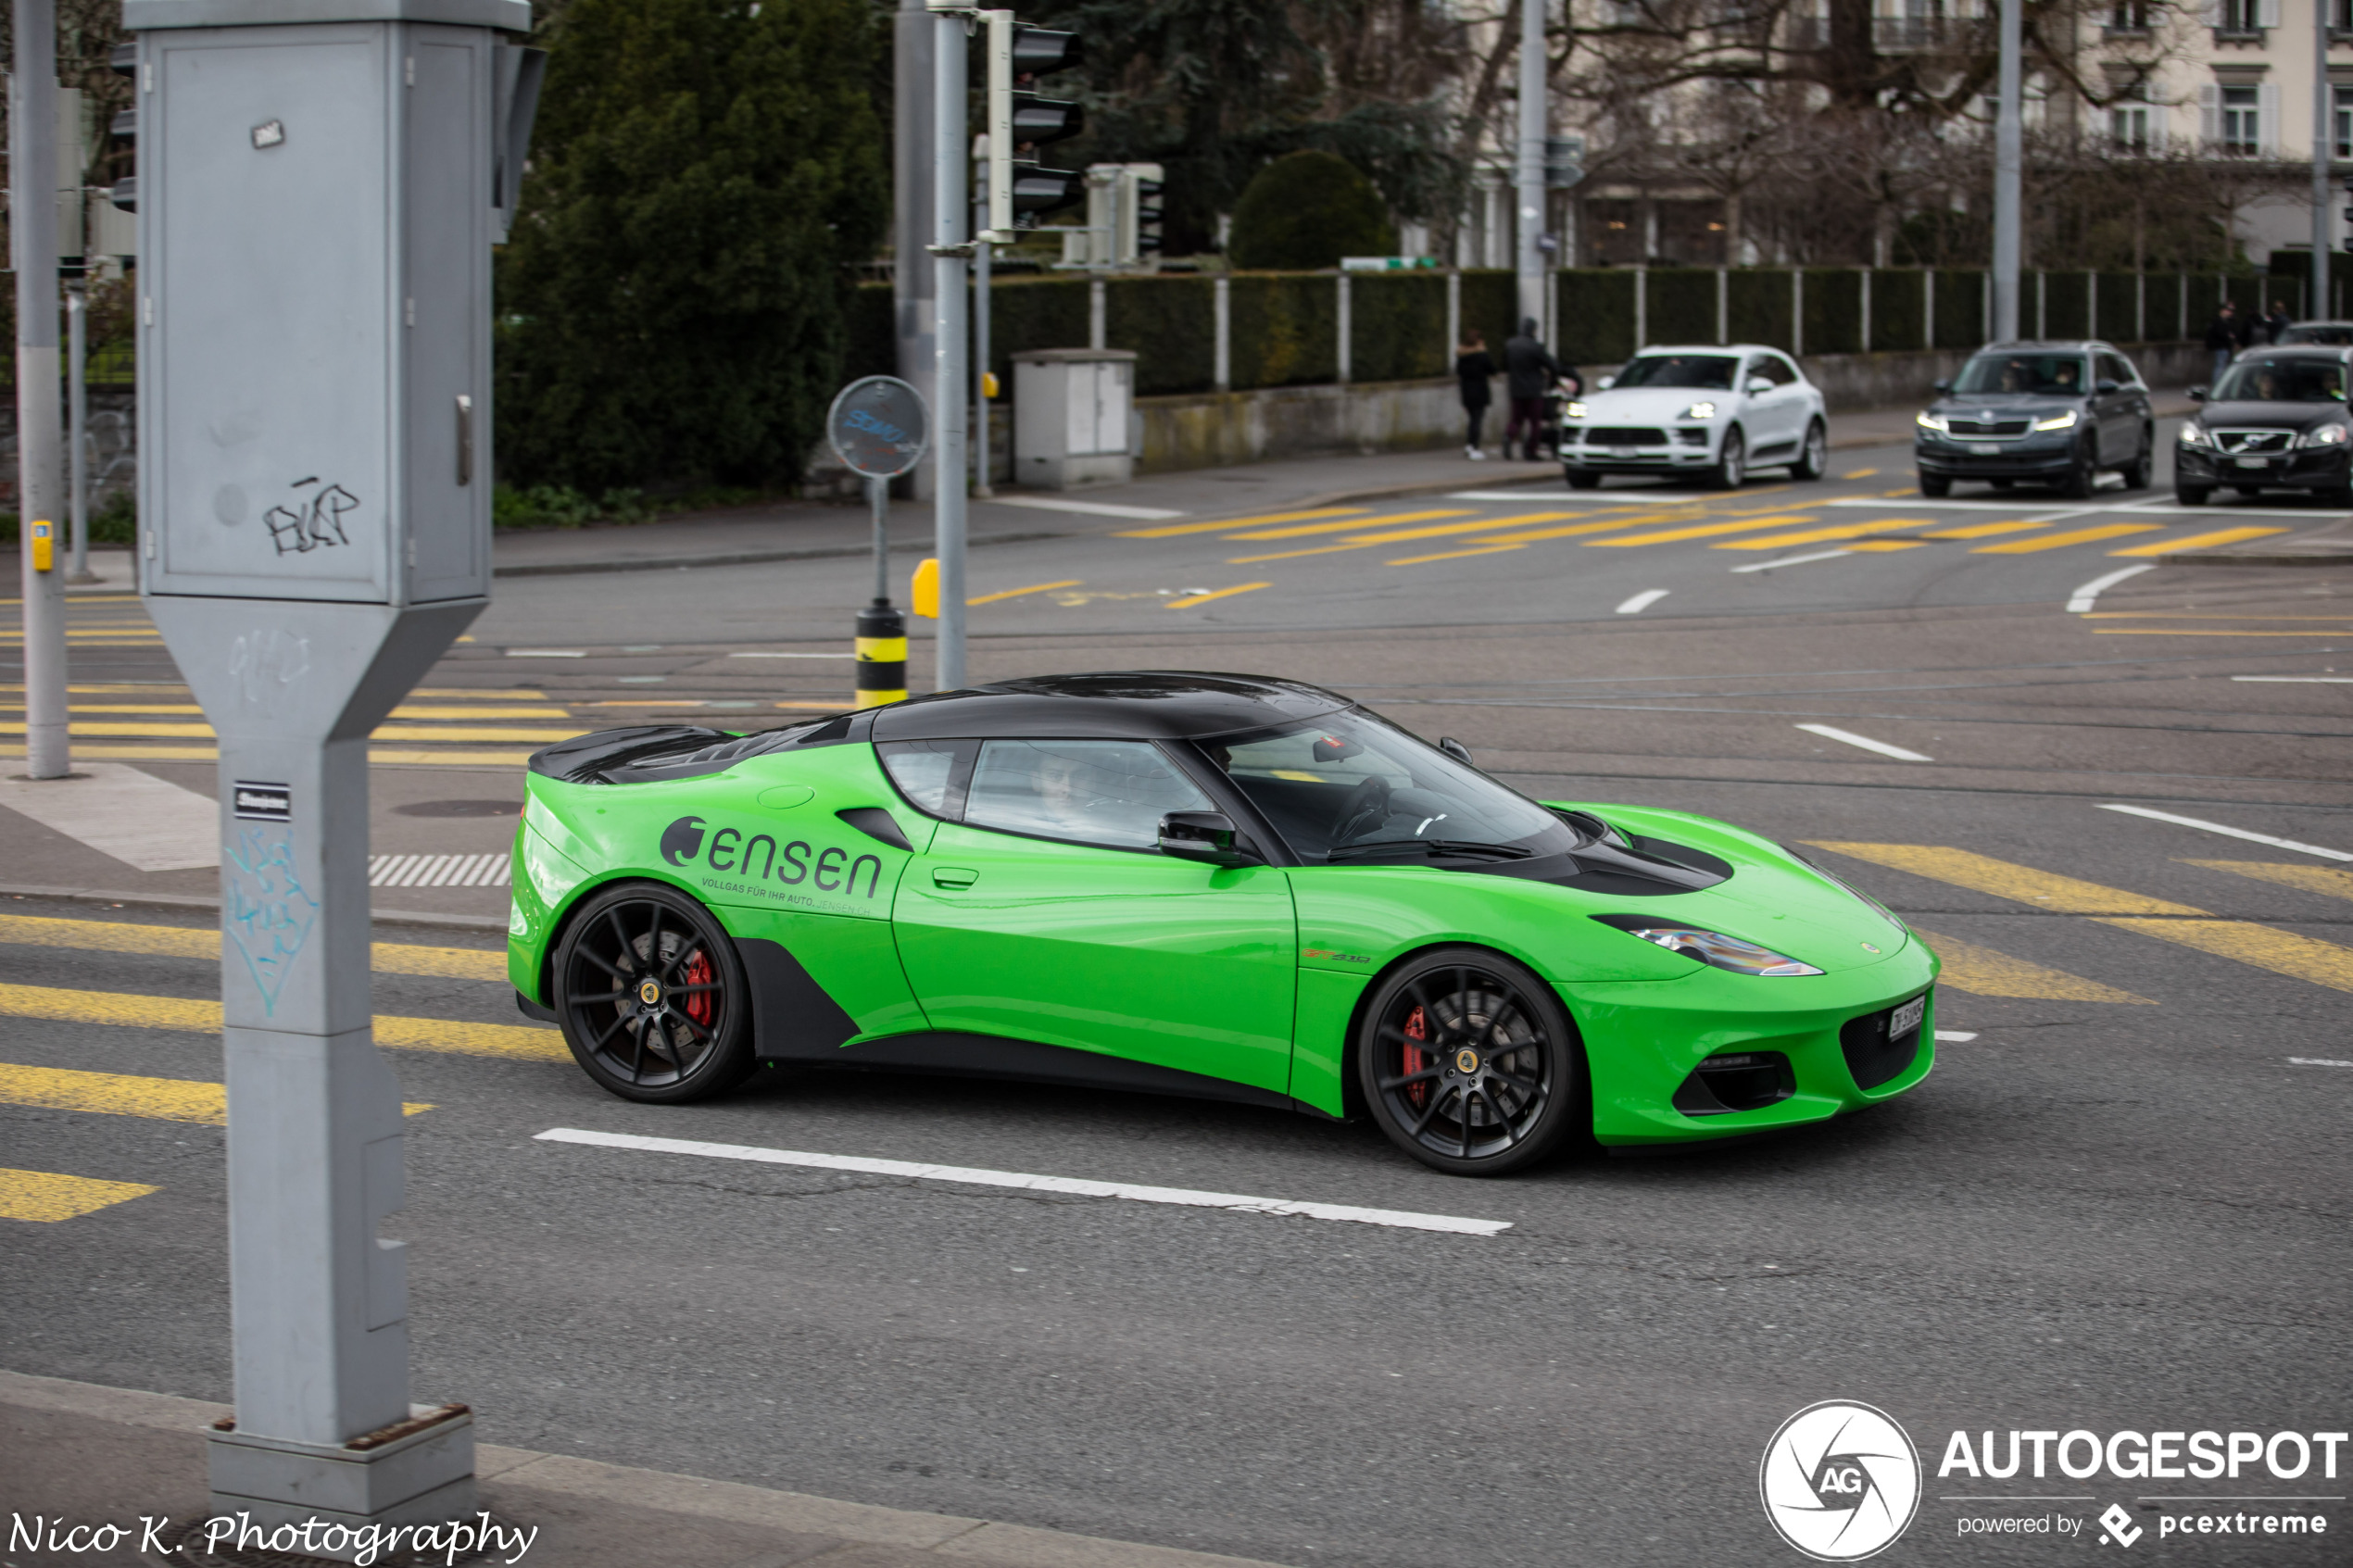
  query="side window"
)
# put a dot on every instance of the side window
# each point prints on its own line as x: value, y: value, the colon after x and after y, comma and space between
x: 1108, y: 792
x: 1780, y: 369
x: 932, y: 774
x: 2115, y: 367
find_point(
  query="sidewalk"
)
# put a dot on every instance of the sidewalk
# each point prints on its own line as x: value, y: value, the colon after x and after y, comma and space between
x: 94, y: 1455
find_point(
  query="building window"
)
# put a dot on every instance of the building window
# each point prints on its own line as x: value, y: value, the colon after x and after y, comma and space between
x: 2133, y: 15
x: 2239, y: 16
x: 2341, y: 16
x: 2343, y: 94
x: 2129, y: 124
x: 2242, y: 120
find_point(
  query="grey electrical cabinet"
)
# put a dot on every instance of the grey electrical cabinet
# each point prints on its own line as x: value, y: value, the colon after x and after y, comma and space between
x: 317, y: 199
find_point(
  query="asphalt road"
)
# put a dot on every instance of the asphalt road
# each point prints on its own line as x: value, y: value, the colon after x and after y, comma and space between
x: 2121, y: 1205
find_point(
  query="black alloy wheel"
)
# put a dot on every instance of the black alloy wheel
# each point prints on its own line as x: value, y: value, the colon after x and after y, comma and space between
x: 1580, y: 479
x: 1732, y: 462
x: 1470, y: 1063
x: 2137, y: 471
x: 1935, y: 484
x: 1813, y: 454
x: 2083, y: 475
x: 652, y: 997
x: 2191, y: 495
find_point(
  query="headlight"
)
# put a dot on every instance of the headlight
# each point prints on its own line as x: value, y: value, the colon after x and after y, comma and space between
x: 1710, y: 947
x: 1700, y: 411
x: 1934, y: 421
x: 2192, y: 436
x: 2058, y: 422
x: 1572, y: 410
x: 2327, y: 436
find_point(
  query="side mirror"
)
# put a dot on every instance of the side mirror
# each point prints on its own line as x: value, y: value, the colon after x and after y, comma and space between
x: 1456, y: 750
x: 1758, y: 386
x: 1207, y: 836
x: 1943, y: 388
x: 2106, y: 387
x: 2196, y: 395
x: 1605, y: 383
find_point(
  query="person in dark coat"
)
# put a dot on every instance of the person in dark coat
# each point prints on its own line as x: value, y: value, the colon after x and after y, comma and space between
x: 2276, y: 324
x: 2224, y: 338
x: 1528, y: 373
x: 1474, y: 368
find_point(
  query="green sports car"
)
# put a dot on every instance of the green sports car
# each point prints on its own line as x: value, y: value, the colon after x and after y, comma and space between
x: 1219, y: 886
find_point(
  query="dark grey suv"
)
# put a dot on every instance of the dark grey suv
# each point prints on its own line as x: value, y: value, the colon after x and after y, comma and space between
x: 2037, y: 413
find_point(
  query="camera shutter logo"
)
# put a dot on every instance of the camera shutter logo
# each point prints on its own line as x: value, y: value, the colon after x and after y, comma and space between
x: 1839, y: 1481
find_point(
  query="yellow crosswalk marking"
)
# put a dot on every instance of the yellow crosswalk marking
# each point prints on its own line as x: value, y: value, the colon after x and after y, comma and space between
x: 1982, y: 530
x: 483, y: 712
x: 1574, y: 530
x: 470, y: 732
x: 45, y: 1197
x: 1699, y: 530
x: 1006, y: 593
x: 2262, y: 946
x: 1982, y: 873
x: 2061, y: 541
x: 1822, y: 535
x: 2324, y: 880
x: 195, y: 1015
x: 120, y: 1094
x: 133, y: 753
x: 1981, y: 972
x: 474, y: 758
x: 123, y: 727
x: 2198, y: 540
x: 204, y: 942
x: 1884, y: 545
x: 1455, y: 555
x: 1394, y: 535
x: 1350, y: 526
x: 1170, y: 531
x: 1186, y: 603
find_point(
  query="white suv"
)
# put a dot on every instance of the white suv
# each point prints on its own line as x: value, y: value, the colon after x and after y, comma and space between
x: 1712, y: 412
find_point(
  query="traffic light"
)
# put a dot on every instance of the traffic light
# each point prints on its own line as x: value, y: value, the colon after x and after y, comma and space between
x: 1142, y: 210
x: 125, y: 61
x: 1022, y: 191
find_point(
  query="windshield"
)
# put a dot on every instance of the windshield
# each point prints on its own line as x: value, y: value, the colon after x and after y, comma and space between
x: 2282, y: 381
x: 1342, y: 787
x: 2338, y: 334
x: 2040, y: 375
x: 1712, y: 371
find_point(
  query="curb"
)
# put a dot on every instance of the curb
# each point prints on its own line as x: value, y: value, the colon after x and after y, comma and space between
x: 2279, y: 558
x: 196, y: 903
x: 747, y: 557
x: 982, y: 1542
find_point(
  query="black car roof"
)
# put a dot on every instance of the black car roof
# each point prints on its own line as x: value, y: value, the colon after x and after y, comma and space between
x: 1123, y: 704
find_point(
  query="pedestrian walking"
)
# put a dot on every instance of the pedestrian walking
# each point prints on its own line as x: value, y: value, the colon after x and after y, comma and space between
x: 1474, y: 368
x: 2223, y: 339
x: 1528, y: 373
x: 2276, y: 324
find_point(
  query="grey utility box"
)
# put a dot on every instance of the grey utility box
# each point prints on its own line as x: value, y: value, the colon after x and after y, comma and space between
x: 1072, y: 416
x: 266, y: 467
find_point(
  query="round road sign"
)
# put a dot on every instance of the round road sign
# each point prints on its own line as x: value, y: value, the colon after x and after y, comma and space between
x: 879, y: 427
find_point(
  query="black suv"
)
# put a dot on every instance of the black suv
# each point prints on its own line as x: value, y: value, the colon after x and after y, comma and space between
x: 2038, y: 413
x: 2276, y: 420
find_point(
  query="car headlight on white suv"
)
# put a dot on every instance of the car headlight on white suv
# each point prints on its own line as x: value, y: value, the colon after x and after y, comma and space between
x: 1572, y: 410
x: 1700, y: 411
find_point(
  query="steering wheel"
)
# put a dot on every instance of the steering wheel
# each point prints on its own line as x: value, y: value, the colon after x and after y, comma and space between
x: 1365, y: 809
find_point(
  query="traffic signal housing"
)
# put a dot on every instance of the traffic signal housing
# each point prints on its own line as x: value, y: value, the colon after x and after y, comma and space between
x: 1021, y: 190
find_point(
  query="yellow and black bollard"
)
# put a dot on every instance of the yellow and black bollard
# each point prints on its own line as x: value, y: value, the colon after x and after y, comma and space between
x: 882, y: 654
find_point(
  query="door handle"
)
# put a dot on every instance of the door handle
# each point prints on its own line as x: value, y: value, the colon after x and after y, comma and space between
x: 953, y: 876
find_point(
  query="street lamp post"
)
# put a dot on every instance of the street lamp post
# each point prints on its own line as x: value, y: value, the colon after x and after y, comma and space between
x: 1528, y: 180
x: 2008, y: 159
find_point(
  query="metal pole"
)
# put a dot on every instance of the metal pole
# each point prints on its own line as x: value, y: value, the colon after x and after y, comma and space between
x: 2008, y: 159
x: 981, y: 259
x: 78, y: 424
x: 949, y: 149
x: 1529, y: 178
x: 2316, y: 302
x: 32, y: 169
x: 878, y: 498
x: 912, y: 218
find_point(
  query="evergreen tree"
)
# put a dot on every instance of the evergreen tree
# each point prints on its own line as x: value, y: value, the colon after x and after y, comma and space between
x: 1305, y: 211
x: 672, y: 297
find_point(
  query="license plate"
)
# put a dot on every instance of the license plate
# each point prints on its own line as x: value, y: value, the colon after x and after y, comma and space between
x: 1987, y: 450
x: 2255, y: 462
x: 1905, y: 1018
x: 1626, y: 451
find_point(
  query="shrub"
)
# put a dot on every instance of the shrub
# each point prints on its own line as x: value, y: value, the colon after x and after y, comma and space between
x: 1305, y: 211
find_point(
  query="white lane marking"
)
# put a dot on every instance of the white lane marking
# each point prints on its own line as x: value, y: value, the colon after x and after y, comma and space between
x: 2080, y: 600
x: 1790, y: 560
x: 1581, y: 499
x: 1182, y: 1197
x: 2206, y: 826
x: 1086, y: 508
x: 792, y: 656
x: 1956, y: 1036
x: 2053, y: 512
x: 2302, y: 680
x: 2317, y: 1062
x: 1866, y: 742
x: 139, y: 820
x: 545, y: 653
x: 1641, y: 601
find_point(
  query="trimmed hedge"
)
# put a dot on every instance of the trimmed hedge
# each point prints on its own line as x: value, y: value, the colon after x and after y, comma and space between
x: 1961, y: 309
x: 1682, y: 305
x: 1834, y: 310
x: 1897, y: 300
x: 2067, y: 304
x: 1397, y: 326
x: 1286, y: 329
x: 1759, y: 303
x: 1597, y: 316
x: 1170, y: 322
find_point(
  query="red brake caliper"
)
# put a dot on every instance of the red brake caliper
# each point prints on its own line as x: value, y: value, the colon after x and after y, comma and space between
x: 1416, y: 1028
x: 699, y: 1005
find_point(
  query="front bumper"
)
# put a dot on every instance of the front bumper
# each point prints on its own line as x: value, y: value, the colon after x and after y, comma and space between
x: 2313, y: 468
x: 2046, y: 455
x: 1674, y: 456
x: 1644, y: 1039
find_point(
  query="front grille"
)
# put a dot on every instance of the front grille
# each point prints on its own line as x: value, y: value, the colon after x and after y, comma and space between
x: 1625, y: 436
x: 1871, y: 1054
x: 2242, y: 441
x: 1981, y: 430
x: 1738, y: 1081
x: 1691, y: 437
